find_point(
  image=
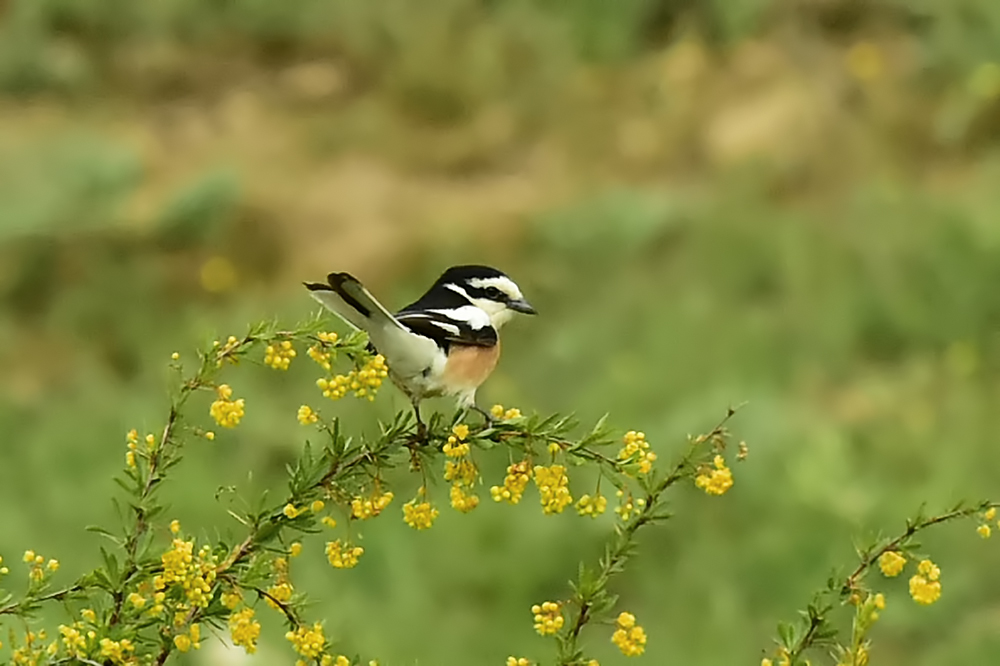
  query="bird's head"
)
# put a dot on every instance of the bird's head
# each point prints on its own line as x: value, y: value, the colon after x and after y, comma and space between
x: 488, y: 289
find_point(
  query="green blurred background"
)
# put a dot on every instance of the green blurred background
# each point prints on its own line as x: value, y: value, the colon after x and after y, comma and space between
x: 794, y: 203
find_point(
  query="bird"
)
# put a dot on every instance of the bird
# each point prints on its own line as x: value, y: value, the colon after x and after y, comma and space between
x: 446, y: 343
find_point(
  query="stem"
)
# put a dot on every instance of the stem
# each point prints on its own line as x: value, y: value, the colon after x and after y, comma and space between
x: 625, y: 542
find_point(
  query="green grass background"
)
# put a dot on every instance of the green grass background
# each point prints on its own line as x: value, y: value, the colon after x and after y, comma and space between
x: 792, y: 204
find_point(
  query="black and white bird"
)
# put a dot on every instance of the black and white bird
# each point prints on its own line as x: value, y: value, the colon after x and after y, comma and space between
x: 446, y: 343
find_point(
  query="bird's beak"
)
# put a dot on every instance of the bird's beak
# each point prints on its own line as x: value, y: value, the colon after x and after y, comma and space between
x: 521, y: 305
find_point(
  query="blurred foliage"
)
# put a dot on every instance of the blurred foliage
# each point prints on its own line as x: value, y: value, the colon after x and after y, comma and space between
x: 792, y: 203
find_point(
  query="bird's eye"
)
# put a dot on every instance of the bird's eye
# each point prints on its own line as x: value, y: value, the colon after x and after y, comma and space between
x: 495, y: 294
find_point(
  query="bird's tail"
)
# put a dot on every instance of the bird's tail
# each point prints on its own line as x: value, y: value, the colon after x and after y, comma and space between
x: 346, y: 297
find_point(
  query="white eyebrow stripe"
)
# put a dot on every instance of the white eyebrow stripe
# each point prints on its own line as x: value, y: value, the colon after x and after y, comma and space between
x: 457, y: 289
x: 475, y: 317
x: 504, y: 284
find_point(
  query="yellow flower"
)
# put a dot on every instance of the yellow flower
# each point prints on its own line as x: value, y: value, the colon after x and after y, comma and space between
x: 635, y: 451
x: 548, y: 617
x: 553, y: 487
x: 924, y: 591
x: 306, y: 415
x: 891, y: 563
x: 879, y: 601
x: 323, y: 358
x: 498, y: 412
x: 343, y: 555
x: 119, y: 652
x: 929, y: 570
x: 925, y: 588
x: 137, y: 600
x: 766, y: 662
x: 130, y: 458
x: 990, y: 513
x: 183, y: 642
x: 175, y: 356
x: 328, y: 521
x: 29, y: 556
x: 88, y: 615
x: 317, y: 506
x: 227, y: 413
x: 461, y: 431
x: 364, y: 382
x: 592, y: 506
x: 419, y: 516
x: 231, y: 599
x: 194, y: 575
x: 514, y: 483
x: 308, y: 642
x: 292, y: 512
x: 462, y: 501
x: 73, y: 640
x: 515, y: 661
x: 295, y: 549
x: 715, y: 481
x: 209, y: 435
x: 984, y: 531
x: 175, y: 526
x: 463, y: 471
x: 282, y: 592
x: 279, y: 356
x: 370, y: 507
x: 629, y: 637
x: 244, y: 630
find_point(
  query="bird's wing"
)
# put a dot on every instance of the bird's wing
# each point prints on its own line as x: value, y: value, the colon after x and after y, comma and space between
x: 467, y: 325
x: 407, y: 352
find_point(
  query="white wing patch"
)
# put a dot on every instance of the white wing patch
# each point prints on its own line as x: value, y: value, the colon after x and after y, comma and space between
x: 475, y: 317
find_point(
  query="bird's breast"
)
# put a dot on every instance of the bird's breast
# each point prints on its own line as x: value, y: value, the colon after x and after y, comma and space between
x: 468, y: 366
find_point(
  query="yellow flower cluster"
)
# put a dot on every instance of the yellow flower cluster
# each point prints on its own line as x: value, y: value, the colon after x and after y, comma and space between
x: 592, y: 506
x: 460, y: 470
x: 195, y: 577
x: 308, y: 642
x: 279, y: 356
x: 636, y: 451
x: 514, y: 661
x: 244, y: 629
x: 925, y: 588
x: 364, y: 382
x: 306, y: 415
x: 518, y: 475
x: 419, y: 516
x: 226, y: 412
x: 629, y: 637
x: 548, y: 617
x: 628, y: 506
x: 39, y: 568
x: 370, y: 507
x: 553, y: 487
x: 318, y: 354
x: 891, y: 563
x: 984, y: 529
x: 191, y: 639
x: 500, y: 414
x: 342, y: 555
x: 461, y: 500
x: 715, y: 481
x: 73, y: 640
x: 119, y: 652
x: 456, y: 446
x: 281, y: 591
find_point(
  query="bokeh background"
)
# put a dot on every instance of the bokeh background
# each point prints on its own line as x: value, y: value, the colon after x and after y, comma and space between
x: 794, y: 203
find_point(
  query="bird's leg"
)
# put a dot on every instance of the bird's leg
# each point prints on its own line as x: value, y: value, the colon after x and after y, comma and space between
x: 421, y: 427
x: 486, y: 415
